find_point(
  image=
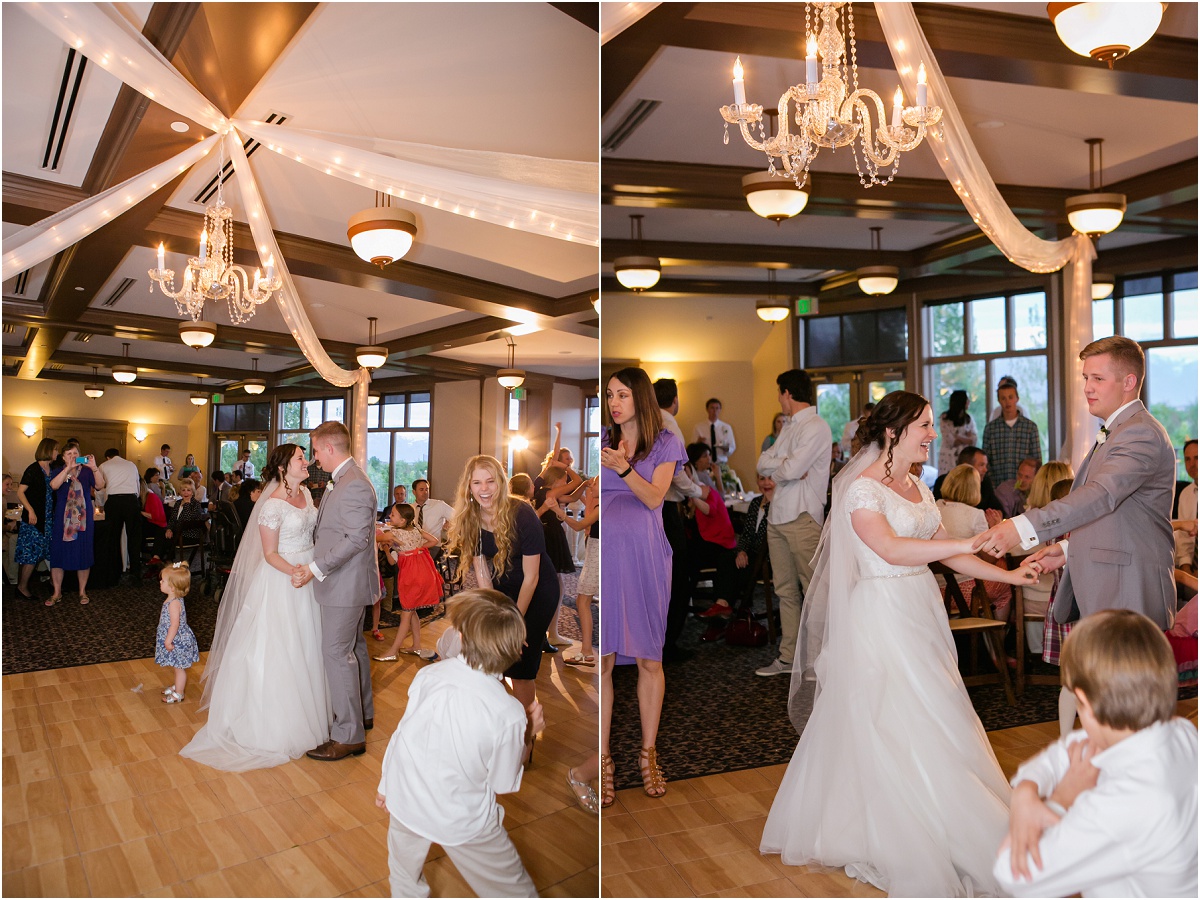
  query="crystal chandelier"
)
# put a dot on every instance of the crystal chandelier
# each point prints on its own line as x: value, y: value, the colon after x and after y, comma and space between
x: 831, y: 110
x: 212, y: 275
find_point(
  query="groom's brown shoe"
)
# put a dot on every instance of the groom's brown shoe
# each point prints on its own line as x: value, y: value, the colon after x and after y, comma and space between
x: 331, y: 750
x: 368, y: 724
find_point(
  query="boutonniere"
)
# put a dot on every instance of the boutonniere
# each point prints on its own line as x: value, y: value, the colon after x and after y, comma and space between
x: 1103, y: 435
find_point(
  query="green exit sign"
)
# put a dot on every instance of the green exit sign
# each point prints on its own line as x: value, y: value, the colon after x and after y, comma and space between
x: 218, y: 398
x: 806, y: 306
x: 518, y: 393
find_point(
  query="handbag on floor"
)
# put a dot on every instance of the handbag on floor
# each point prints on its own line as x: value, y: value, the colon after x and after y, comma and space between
x: 746, y: 631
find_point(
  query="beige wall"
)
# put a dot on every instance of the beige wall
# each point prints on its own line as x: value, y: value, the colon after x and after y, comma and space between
x: 773, y: 357
x: 455, y: 436
x: 567, y: 407
x: 166, y: 416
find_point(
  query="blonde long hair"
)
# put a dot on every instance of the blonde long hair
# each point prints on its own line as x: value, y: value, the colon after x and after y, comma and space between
x: 467, y: 523
x: 1047, y: 476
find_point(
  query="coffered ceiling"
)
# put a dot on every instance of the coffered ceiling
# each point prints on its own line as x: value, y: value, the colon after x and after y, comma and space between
x: 462, y: 75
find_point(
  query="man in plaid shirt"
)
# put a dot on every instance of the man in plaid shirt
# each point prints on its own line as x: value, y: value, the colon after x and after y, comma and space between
x: 1010, y: 437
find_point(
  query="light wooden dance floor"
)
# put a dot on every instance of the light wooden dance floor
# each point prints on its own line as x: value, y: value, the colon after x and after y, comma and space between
x: 701, y: 839
x: 97, y: 801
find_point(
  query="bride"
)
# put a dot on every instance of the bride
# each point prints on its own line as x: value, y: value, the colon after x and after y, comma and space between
x: 893, y: 779
x: 264, y: 681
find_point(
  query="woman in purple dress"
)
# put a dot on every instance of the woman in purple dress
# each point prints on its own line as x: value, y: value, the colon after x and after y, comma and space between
x: 639, y: 458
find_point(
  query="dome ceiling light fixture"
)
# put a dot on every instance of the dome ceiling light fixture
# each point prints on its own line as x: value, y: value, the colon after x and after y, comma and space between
x: 637, y: 273
x: 1105, y: 31
x: 199, y: 398
x: 1095, y: 213
x: 254, y: 385
x: 770, y: 309
x: 125, y: 373
x: 383, y: 234
x: 877, y: 280
x: 512, y: 377
x: 198, y: 334
x: 94, y: 390
x: 372, y: 399
x: 374, y: 355
x: 1102, y: 286
x: 774, y: 197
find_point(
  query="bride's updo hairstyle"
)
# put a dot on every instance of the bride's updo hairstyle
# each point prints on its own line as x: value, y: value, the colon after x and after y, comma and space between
x: 896, y: 411
x: 277, y: 464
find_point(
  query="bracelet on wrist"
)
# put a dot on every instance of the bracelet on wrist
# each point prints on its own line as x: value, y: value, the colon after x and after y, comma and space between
x: 625, y: 473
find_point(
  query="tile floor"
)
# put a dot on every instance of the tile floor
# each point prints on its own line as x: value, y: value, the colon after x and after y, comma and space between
x: 701, y: 839
x: 97, y: 802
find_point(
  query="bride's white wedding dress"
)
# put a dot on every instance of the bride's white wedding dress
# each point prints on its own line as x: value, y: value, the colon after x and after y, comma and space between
x: 893, y: 778
x: 268, y: 699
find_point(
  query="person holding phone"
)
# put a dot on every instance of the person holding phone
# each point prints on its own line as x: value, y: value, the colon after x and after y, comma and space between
x: 73, y: 536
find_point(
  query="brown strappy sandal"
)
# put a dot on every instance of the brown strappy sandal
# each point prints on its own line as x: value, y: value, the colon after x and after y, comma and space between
x: 653, y: 782
x: 607, y: 771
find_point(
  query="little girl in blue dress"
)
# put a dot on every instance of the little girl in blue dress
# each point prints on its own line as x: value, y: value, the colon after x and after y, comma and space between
x: 176, y: 645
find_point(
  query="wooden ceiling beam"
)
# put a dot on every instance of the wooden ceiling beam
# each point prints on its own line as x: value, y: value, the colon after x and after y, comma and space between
x: 758, y: 256
x: 196, y: 369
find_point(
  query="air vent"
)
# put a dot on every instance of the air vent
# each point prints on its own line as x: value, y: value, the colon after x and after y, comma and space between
x: 628, y: 125
x: 249, y: 145
x: 64, y: 107
x: 21, y: 284
x: 119, y: 292
x: 10, y: 329
x: 55, y: 367
x: 82, y: 337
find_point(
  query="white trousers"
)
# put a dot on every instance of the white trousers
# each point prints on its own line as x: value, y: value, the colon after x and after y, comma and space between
x: 490, y: 863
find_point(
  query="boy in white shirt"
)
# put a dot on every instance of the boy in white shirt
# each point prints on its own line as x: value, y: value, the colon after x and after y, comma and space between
x: 461, y: 742
x: 1109, y: 811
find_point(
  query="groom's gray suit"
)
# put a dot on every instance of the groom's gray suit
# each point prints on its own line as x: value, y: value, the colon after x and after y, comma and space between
x: 1119, y: 515
x: 344, y: 553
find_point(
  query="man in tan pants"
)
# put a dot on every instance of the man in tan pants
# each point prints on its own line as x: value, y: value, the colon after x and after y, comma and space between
x: 798, y: 462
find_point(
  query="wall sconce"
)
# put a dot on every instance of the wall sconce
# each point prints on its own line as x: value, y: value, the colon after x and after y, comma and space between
x: 139, y: 434
x: 29, y: 429
x: 518, y: 443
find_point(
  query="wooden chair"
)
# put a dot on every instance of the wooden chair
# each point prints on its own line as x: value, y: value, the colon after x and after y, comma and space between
x: 1020, y: 617
x: 760, y: 565
x: 976, y: 621
x: 197, y: 544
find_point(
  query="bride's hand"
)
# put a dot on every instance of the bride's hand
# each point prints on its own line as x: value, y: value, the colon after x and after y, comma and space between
x: 1026, y: 574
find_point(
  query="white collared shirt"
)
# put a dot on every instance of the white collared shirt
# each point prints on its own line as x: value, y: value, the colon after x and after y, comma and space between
x: 433, y: 515
x: 703, y: 433
x: 459, y: 744
x: 1133, y: 834
x: 1025, y: 529
x: 798, y: 462
x: 121, y: 477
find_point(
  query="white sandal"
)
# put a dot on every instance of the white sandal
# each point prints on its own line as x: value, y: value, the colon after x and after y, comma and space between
x: 170, y: 695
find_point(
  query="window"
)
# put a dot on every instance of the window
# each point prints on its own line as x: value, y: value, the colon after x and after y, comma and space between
x: 974, y: 343
x: 514, y: 419
x: 298, y: 417
x: 238, y: 427
x: 591, y: 436
x: 398, y: 441
x: 856, y: 339
x: 1159, y: 312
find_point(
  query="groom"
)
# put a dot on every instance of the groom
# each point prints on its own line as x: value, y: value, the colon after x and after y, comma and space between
x: 344, y: 564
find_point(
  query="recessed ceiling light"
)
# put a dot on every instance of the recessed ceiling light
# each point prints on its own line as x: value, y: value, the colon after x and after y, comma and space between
x: 446, y: 346
x: 181, y: 127
x: 990, y: 123
x: 78, y: 287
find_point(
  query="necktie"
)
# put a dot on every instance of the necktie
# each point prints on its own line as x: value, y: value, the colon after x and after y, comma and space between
x: 421, y: 516
x: 712, y: 434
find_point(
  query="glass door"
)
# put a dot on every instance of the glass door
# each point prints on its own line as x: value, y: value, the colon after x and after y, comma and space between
x: 841, y: 397
x: 230, y: 447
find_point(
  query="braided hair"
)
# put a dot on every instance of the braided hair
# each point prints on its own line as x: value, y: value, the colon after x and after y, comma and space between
x: 896, y: 412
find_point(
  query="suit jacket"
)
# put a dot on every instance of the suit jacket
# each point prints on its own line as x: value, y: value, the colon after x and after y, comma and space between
x: 344, y: 548
x: 1118, y: 514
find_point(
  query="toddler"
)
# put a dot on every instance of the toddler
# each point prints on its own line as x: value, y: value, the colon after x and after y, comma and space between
x: 1109, y: 811
x: 461, y: 742
x: 176, y: 645
x: 418, y: 582
x: 589, y: 579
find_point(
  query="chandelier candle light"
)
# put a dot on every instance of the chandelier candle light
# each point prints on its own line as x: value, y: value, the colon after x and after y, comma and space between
x: 212, y: 275
x: 831, y: 110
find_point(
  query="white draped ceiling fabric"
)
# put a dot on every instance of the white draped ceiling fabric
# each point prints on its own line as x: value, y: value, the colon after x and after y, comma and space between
x: 616, y: 17
x: 547, y: 197
x: 960, y: 161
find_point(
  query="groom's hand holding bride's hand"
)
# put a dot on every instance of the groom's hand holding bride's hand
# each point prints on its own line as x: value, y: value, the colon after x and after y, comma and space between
x: 998, y: 539
x: 301, y: 575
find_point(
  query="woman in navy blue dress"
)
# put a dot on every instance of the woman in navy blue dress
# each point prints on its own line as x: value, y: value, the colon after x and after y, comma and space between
x: 73, y: 533
x: 37, y: 514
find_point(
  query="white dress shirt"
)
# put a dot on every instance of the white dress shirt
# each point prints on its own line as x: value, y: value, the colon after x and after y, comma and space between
x: 433, y: 516
x: 682, y: 485
x: 703, y: 433
x: 1025, y: 529
x: 121, y: 477
x: 798, y: 462
x: 1185, y: 544
x: 1132, y: 835
x: 165, y: 466
x: 458, y: 745
x: 246, y: 468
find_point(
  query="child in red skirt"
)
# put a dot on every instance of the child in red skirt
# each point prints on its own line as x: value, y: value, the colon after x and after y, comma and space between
x: 418, y: 582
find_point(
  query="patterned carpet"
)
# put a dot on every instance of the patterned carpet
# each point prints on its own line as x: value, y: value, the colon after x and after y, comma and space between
x: 120, y: 623
x: 718, y: 716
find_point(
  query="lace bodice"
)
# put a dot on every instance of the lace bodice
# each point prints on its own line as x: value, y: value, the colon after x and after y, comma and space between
x: 295, y: 526
x: 908, y: 519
